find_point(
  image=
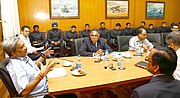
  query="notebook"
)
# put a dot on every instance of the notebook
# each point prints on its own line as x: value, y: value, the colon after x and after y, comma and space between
x: 141, y: 64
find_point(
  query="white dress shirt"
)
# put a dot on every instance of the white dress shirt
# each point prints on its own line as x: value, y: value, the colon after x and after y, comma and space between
x: 176, y: 73
x: 27, y: 43
x: 135, y: 42
x: 22, y: 71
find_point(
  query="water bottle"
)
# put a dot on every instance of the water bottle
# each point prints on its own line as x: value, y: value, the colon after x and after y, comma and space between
x: 106, y: 57
x: 119, y: 63
x: 79, y: 65
x: 139, y: 50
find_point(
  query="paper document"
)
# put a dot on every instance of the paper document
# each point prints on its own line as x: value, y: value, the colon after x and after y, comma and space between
x: 57, y: 72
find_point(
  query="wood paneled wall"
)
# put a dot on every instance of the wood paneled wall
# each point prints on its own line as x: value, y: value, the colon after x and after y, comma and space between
x: 93, y: 12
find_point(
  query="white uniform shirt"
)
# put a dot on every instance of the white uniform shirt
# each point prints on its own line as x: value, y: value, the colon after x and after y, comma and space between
x: 22, y: 71
x: 135, y: 42
x: 176, y: 73
x: 27, y: 43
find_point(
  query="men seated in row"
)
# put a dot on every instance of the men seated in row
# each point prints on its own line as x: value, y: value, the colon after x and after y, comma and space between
x: 173, y: 41
x: 55, y: 38
x: 128, y: 30
x: 140, y: 41
x: 28, y: 77
x: 37, y: 38
x: 143, y: 23
x: 69, y: 38
x: 175, y: 28
x: 151, y: 29
x: 114, y: 33
x: 32, y: 51
x: 161, y: 62
x: 164, y: 28
x: 94, y: 45
x: 86, y: 31
x: 104, y: 32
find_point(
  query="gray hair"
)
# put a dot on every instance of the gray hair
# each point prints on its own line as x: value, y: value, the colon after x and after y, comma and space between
x: 9, y: 45
x: 173, y: 38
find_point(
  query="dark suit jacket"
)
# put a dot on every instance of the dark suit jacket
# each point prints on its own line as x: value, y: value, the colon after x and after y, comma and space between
x: 163, y: 86
x: 87, y: 48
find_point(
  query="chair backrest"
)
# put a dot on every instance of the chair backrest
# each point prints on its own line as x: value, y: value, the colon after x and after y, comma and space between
x: 5, y: 77
x: 154, y: 38
x: 78, y: 42
x: 123, y: 43
x: 163, y: 38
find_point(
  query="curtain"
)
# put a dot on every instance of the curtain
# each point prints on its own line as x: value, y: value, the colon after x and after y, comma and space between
x: 10, y: 18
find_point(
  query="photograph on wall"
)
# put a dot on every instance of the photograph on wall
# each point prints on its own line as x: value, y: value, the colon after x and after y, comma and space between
x: 117, y: 8
x: 60, y: 9
x: 155, y: 10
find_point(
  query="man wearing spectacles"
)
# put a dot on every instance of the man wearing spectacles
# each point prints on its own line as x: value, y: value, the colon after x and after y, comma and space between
x: 161, y: 63
x: 28, y: 77
x: 140, y: 40
x: 94, y: 45
x: 173, y: 41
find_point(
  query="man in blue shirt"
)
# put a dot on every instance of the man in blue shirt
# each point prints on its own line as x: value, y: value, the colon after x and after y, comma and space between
x: 28, y: 77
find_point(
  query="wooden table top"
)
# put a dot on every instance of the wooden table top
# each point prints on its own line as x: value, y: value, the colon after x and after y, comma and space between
x: 97, y: 77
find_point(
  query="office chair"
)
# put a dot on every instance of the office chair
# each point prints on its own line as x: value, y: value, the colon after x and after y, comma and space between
x: 123, y: 43
x: 67, y: 49
x: 163, y: 37
x: 154, y: 38
x: 78, y: 42
x: 5, y: 77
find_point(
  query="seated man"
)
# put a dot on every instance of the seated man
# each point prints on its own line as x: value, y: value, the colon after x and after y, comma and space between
x: 140, y: 41
x: 162, y: 62
x: 27, y: 76
x: 128, y: 30
x: 94, y: 46
x: 173, y: 41
x: 104, y: 32
x: 114, y: 33
x: 143, y: 23
x: 151, y: 29
x: 175, y: 28
x: 164, y: 28
x: 55, y: 38
x: 86, y: 31
x: 33, y: 52
x: 37, y: 38
x: 69, y: 38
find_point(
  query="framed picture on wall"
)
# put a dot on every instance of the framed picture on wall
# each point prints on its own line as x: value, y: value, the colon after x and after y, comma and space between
x: 64, y: 9
x: 117, y: 9
x: 155, y: 10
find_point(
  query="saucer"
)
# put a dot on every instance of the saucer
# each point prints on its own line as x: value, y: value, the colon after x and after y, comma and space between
x: 79, y: 72
x: 67, y: 64
x: 128, y: 56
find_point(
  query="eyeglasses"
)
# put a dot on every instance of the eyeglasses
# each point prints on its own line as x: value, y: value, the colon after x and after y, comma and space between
x: 94, y: 35
x: 147, y: 59
x: 144, y: 34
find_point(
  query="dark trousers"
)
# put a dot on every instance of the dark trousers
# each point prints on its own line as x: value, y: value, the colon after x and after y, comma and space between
x: 58, y: 48
x: 72, y: 45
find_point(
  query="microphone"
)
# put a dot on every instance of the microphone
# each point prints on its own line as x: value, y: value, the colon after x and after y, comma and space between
x: 105, y: 67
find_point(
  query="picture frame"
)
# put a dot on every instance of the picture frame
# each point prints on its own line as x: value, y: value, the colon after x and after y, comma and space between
x: 155, y: 10
x: 116, y: 9
x: 68, y: 9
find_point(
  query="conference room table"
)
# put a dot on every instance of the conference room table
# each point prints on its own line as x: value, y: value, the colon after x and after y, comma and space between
x: 97, y: 76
